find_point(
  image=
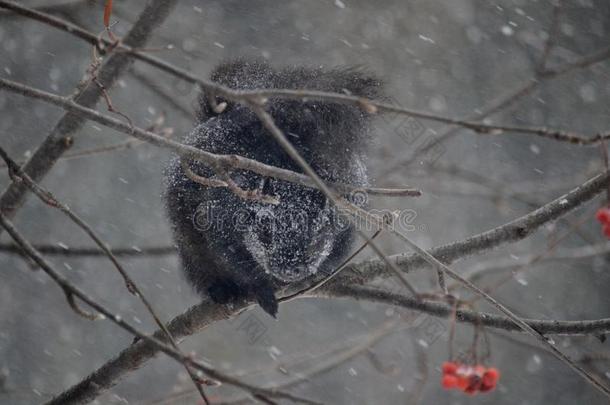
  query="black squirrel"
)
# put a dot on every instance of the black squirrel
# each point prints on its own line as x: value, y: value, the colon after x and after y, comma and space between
x: 232, y: 248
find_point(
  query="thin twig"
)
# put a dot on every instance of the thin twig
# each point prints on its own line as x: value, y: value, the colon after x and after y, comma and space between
x: 205, y: 313
x: 433, y: 261
x: 481, y: 269
x: 218, y: 162
x: 512, y: 231
x: 548, y: 251
x: 61, y: 7
x: 444, y: 310
x: 552, y: 37
x: 168, y: 99
x: 53, y: 250
x: 329, y: 362
x: 60, y: 139
x: 158, y: 344
x: 279, y: 136
x: 332, y: 275
x: 49, y: 199
x: 371, y: 106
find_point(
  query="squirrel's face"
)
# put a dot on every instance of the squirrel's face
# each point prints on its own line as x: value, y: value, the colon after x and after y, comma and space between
x: 289, y: 241
x: 292, y: 240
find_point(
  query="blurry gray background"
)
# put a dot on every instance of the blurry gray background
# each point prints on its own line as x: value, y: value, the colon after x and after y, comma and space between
x: 447, y: 57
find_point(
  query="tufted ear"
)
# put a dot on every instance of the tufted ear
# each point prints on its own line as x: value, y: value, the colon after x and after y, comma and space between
x: 244, y: 74
x: 239, y: 74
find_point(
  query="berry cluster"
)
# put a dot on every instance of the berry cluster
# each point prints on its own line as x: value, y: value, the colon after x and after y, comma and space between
x: 470, y: 379
x: 603, y: 216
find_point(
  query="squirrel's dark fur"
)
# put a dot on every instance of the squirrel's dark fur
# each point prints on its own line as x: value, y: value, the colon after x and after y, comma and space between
x: 233, y: 248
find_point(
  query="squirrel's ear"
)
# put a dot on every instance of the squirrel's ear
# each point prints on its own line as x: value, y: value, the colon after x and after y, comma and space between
x: 244, y: 74
x: 204, y: 112
x: 210, y: 106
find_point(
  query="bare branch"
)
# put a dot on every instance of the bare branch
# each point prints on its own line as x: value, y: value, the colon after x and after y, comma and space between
x: 552, y: 37
x: 206, y: 313
x: 62, y: 7
x: 513, y: 231
x: 134, y: 252
x: 61, y: 137
x: 330, y: 361
x: 370, y: 106
x: 440, y: 309
x: 501, y: 266
x: 217, y: 162
x: 131, y: 286
x: 433, y: 261
x: 154, y: 341
x: 279, y: 136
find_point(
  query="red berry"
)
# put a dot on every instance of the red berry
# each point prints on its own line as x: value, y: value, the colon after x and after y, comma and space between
x: 603, y: 215
x: 449, y: 367
x: 493, y: 374
x: 488, y: 380
x: 486, y: 388
x: 462, y: 382
x: 471, y: 389
x: 474, y: 382
x: 472, y: 379
x: 449, y: 381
